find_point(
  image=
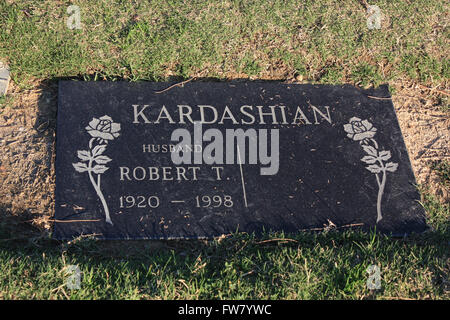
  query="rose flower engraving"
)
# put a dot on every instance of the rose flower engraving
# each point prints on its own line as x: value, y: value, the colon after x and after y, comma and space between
x: 359, y: 129
x: 93, y: 160
x: 363, y: 131
x: 103, y: 129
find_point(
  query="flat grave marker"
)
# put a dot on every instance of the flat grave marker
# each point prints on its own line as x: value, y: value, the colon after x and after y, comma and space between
x: 136, y: 161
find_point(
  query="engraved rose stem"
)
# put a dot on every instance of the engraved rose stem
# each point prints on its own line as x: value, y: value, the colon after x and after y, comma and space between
x: 380, y: 190
x: 380, y: 195
x: 383, y: 179
x: 90, y: 143
x: 381, y: 184
x: 99, y: 192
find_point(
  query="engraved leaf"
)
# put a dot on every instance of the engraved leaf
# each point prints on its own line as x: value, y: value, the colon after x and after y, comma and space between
x: 371, y: 151
x: 102, y: 159
x: 99, y: 169
x: 391, y: 166
x: 84, y: 155
x: 374, y: 168
x: 385, y: 155
x: 98, y: 150
x: 80, y: 166
x: 369, y: 159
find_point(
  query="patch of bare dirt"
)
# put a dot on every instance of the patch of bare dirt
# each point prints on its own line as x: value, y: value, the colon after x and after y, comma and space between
x: 27, y: 153
x: 27, y: 135
x: 426, y: 130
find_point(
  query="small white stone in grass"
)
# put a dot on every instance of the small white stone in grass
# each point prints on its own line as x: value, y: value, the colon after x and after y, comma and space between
x: 4, y: 78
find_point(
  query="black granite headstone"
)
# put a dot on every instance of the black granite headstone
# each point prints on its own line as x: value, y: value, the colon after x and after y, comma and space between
x: 136, y: 161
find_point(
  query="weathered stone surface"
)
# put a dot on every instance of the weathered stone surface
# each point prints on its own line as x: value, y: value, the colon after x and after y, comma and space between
x: 342, y: 160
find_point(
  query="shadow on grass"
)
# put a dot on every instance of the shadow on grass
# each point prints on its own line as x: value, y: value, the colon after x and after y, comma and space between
x: 273, y: 265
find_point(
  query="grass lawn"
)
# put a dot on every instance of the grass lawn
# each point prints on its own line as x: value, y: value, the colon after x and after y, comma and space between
x: 325, y: 41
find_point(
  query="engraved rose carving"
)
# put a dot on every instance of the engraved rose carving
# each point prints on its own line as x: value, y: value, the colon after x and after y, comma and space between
x: 93, y: 161
x: 103, y: 128
x: 358, y: 129
x: 376, y: 159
